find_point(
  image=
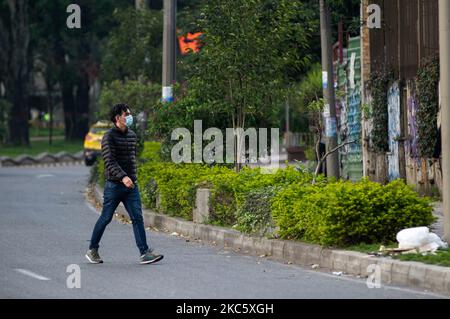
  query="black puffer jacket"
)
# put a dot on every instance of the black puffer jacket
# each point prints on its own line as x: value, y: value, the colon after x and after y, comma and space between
x: 119, y: 154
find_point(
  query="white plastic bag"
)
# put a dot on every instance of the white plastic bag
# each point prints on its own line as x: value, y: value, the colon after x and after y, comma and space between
x: 436, y: 240
x: 419, y: 238
x: 413, y: 237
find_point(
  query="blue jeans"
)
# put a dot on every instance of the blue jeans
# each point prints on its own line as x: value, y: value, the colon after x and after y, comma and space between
x: 113, y: 195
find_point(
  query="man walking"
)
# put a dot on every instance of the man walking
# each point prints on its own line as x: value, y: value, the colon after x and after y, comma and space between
x: 119, y: 153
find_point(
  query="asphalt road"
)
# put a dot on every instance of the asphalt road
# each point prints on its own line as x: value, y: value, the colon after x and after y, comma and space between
x: 46, y: 225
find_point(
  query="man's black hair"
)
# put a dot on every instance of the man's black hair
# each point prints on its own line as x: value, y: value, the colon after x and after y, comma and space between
x: 118, y: 109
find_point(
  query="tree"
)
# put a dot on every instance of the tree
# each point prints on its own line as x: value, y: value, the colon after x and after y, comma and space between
x: 316, y: 109
x: 72, y: 56
x: 249, y: 46
x: 15, y: 64
x: 134, y: 48
x: 302, y: 94
x: 142, y: 95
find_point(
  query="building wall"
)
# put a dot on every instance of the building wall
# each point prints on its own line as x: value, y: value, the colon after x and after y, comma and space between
x: 348, y: 81
x: 409, y: 33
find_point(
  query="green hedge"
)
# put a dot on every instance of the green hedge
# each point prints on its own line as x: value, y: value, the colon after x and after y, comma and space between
x: 97, y: 173
x: 230, y: 188
x: 151, y: 152
x: 254, y: 216
x: 176, y: 185
x: 327, y: 213
x: 345, y: 213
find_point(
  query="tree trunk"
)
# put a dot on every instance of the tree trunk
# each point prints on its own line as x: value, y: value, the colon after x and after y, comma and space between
x: 82, y: 108
x: 50, y: 111
x: 18, y: 73
x: 69, y: 108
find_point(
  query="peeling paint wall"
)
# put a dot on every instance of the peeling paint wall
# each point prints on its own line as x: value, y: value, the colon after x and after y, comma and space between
x: 395, y: 133
x: 412, y: 138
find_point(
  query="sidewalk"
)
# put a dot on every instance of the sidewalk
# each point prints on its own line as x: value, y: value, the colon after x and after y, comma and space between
x: 438, y: 226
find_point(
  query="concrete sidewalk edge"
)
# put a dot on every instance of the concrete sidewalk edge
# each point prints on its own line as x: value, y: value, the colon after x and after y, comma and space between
x: 407, y: 274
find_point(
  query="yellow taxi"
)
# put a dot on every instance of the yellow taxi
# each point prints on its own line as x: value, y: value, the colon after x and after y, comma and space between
x: 93, y: 142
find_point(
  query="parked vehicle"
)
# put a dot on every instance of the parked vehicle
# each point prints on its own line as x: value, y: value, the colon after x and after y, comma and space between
x: 93, y: 142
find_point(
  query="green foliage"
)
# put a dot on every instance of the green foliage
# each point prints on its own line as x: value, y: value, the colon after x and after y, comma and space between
x: 230, y: 188
x: 308, y: 90
x: 428, y: 94
x: 379, y: 86
x: 328, y: 213
x: 310, y: 153
x: 302, y: 97
x: 343, y: 213
x: 97, y: 173
x: 248, y: 47
x: 151, y: 152
x: 141, y: 95
x: 99, y: 169
x: 134, y: 48
x: 238, y: 79
x: 38, y: 147
x: 255, y: 214
x: 181, y: 114
x: 441, y: 258
x: 177, y: 185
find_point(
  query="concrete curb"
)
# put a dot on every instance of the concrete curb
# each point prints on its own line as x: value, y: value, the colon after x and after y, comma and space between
x: 408, y: 274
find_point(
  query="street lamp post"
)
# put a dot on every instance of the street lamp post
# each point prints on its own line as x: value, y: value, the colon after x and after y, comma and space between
x: 169, y: 53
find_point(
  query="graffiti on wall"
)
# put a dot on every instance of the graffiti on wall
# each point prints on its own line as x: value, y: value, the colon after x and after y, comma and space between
x: 394, y: 131
x: 354, y: 121
x: 411, y: 144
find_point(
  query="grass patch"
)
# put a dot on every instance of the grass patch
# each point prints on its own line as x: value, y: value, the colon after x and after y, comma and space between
x: 442, y: 258
x: 44, y: 132
x: 39, y: 147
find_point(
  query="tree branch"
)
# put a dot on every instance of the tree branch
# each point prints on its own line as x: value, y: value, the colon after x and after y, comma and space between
x: 322, y: 160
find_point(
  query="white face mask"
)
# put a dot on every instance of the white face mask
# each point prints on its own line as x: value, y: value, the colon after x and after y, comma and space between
x: 129, y: 120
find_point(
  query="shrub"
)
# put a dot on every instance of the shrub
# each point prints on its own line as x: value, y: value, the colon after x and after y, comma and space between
x: 328, y: 213
x: 93, y: 174
x: 344, y: 213
x: 255, y: 214
x: 230, y: 188
x: 151, y: 152
x: 175, y: 184
x: 101, y: 172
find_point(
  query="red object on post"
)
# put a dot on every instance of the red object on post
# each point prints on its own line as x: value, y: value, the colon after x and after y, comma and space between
x: 189, y: 42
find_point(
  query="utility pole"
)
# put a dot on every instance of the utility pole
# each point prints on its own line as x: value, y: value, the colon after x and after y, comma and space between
x: 288, y: 131
x: 332, y: 162
x: 444, y: 44
x: 169, y: 53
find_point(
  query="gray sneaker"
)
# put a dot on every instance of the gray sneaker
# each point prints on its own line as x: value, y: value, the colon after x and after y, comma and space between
x: 93, y: 256
x: 150, y: 257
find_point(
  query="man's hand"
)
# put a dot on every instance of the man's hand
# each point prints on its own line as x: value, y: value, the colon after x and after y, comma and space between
x: 128, y: 182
